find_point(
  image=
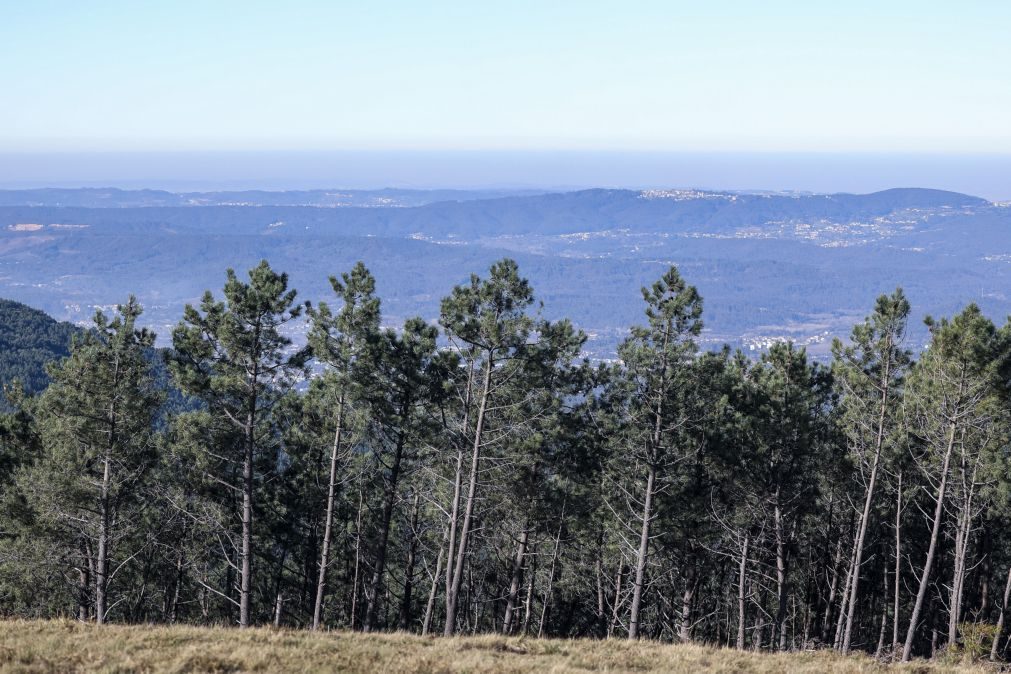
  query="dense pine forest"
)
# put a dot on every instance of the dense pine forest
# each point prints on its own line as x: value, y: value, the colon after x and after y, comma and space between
x: 28, y: 340
x: 479, y: 475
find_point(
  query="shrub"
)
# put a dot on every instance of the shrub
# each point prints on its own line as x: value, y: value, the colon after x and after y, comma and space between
x: 976, y: 640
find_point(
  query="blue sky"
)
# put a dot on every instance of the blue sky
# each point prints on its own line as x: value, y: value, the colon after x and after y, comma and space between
x: 773, y: 76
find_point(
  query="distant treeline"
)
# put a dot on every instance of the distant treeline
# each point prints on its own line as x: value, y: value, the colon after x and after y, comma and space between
x: 479, y: 475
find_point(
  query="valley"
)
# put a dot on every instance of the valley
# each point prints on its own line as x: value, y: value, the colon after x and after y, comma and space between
x: 770, y: 266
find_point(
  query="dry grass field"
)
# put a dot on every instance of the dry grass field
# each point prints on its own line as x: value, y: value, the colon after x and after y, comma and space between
x: 67, y: 647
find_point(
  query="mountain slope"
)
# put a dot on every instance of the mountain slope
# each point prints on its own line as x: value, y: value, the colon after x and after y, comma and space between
x: 30, y: 338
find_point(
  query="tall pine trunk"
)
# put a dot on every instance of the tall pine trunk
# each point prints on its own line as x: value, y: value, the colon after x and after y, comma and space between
x: 412, y: 554
x: 456, y: 578
x: 598, y: 568
x: 833, y: 587
x: 102, y: 561
x: 619, y: 574
x: 865, y: 516
x: 246, y: 561
x: 356, y: 582
x: 430, y: 606
x: 515, y: 580
x: 647, y: 506
x: 389, y: 501
x: 331, y: 498
x: 83, y: 601
x: 640, y: 560
x: 935, y: 533
x: 782, y: 589
x: 685, y: 629
x: 995, y: 647
x: 741, y: 597
x: 962, y: 540
x: 546, y: 602
x: 883, y: 628
x: 105, y: 506
x: 898, y: 562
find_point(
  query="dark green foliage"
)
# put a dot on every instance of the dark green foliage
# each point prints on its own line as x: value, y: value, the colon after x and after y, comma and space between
x: 28, y: 340
x: 479, y: 476
x: 233, y: 355
x: 85, y: 489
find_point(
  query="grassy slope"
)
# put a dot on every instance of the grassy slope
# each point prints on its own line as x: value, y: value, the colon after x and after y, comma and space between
x: 64, y: 646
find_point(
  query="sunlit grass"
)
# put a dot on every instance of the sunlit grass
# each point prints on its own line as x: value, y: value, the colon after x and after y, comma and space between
x: 66, y: 646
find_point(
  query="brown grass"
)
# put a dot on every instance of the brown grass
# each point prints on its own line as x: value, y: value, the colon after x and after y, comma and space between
x: 67, y: 647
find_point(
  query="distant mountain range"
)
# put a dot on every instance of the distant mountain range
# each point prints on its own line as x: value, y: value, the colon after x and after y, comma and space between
x: 111, y: 197
x: 770, y: 266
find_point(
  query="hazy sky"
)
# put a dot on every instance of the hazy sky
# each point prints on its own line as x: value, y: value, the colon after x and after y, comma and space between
x: 805, y: 76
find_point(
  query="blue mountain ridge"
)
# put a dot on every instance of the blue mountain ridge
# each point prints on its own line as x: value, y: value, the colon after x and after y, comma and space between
x: 770, y: 266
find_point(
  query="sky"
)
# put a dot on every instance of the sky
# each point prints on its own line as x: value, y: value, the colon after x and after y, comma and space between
x: 775, y: 76
x: 780, y: 94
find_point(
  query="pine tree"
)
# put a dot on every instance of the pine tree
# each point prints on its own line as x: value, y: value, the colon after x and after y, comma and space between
x: 97, y: 445
x: 684, y: 495
x: 958, y: 418
x: 345, y: 343
x: 409, y: 373
x: 233, y: 355
x: 870, y: 372
x: 795, y: 397
x: 542, y: 470
x: 497, y: 342
x: 656, y: 434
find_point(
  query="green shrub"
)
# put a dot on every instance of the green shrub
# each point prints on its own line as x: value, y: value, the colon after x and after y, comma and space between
x: 977, y: 638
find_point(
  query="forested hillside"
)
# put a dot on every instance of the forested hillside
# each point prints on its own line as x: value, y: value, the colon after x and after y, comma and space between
x: 477, y: 474
x: 28, y: 340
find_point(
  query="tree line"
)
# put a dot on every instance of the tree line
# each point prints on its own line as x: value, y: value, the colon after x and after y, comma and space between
x: 479, y: 475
